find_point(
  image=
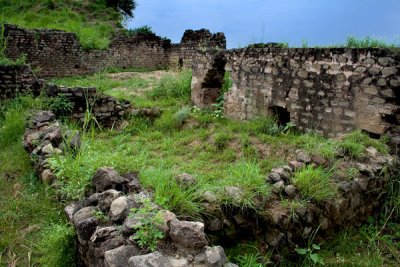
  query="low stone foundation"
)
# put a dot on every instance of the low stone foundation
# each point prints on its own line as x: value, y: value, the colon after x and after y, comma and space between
x: 105, y: 230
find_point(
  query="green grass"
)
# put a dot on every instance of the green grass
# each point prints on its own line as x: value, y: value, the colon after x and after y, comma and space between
x: 218, y: 152
x: 91, y: 21
x: 369, y: 42
x: 314, y: 183
x: 27, y: 207
x: 172, y: 87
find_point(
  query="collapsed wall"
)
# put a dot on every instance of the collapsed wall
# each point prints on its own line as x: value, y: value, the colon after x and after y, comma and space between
x: 330, y: 91
x: 77, y: 102
x: 59, y: 53
x: 18, y: 79
x: 182, y: 54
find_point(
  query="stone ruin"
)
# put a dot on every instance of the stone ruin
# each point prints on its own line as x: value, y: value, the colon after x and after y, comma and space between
x: 107, y: 240
x: 329, y: 91
x: 59, y: 53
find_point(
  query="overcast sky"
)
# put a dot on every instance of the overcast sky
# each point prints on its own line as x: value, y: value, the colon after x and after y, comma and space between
x: 319, y: 22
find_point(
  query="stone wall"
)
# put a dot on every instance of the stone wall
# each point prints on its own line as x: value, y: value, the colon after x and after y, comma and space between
x: 331, y: 91
x: 18, y: 79
x: 106, y: 109
x: 182, y: 54
x: 59, y: 53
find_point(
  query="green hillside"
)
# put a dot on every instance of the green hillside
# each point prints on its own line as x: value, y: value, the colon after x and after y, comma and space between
x: 92, y: 20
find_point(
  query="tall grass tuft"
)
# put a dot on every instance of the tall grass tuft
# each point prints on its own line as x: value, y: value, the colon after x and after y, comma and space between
x: 314, y: 183
x: 173, y: 87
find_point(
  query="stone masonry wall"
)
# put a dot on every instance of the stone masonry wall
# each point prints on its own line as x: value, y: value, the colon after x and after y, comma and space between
x: 18, y: 79
x: 59, y: 53
x: 331, y: 91
x: 182, y: 54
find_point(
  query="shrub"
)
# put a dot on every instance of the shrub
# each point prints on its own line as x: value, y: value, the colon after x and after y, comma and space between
x: 60, y: 105
x: 143, y: 30
x: 147, y: 232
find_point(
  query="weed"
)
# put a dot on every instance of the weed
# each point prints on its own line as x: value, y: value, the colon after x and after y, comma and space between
x: 101, y: 216
x: 147, y: 233
x: 314, y: 183
x: 61, y: 105
x: 311, y: 254
x: 248, y: 255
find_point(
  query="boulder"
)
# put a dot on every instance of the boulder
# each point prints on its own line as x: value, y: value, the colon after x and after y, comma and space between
x: 302, y: 156
x: 104, y: 199
x: 106, y: 178
x: 188, y: 236
x: 215, y: 256
x: 235, y: 193
x: 73, y: 139
x: 44, y: 116
x: 185, y: 180
x: 71, y: 209
x: 47, y: 176
x: 85, y: 223
x: 133, y: 183
x: 120, y: 256
x: 119, y: 209
x: 210, y: 197
x: 155, y: 259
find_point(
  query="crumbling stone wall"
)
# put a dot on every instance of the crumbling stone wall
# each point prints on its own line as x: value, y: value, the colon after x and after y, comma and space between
x: 18, y: 79
x: 331, y: 91
x: 59, y: 53
x: 106, y: 109
x: 182, y: 54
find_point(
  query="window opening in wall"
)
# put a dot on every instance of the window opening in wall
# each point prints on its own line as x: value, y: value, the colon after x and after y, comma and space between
x: 281, y: 114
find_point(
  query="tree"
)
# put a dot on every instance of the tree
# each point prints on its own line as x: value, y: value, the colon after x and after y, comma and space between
x: 126, y: 6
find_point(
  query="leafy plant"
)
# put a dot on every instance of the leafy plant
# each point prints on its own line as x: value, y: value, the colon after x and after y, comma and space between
x: 101, y: 216
x: 61, y: 105
x: 147, y: 232
x: 311, y: 254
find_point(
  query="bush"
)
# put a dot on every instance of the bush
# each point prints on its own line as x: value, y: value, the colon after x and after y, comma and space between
x: 143, y: 30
